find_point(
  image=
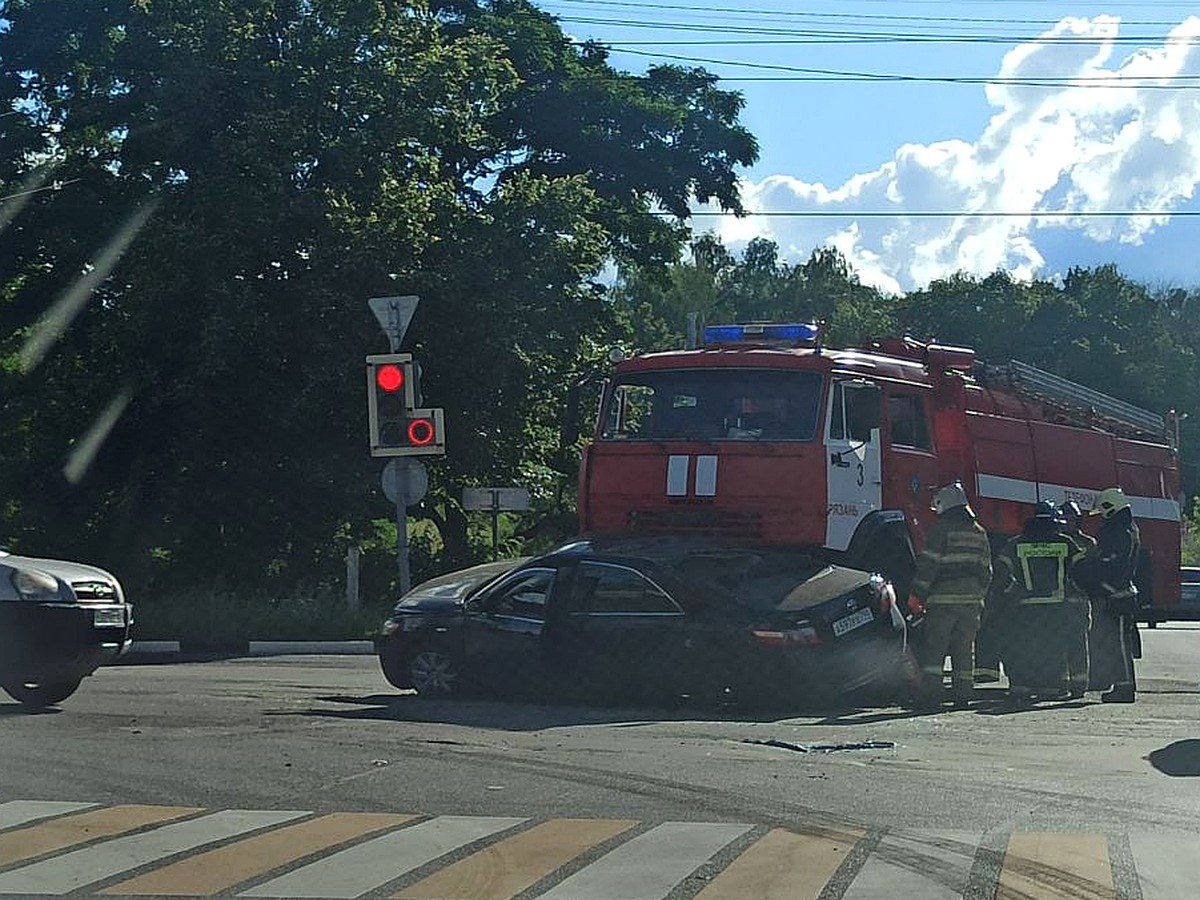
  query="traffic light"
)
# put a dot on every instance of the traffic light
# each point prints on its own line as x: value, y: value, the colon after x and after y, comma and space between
x: 397, y: 428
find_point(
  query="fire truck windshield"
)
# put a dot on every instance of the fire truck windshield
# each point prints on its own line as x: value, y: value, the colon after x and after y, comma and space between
x: 713, y: 404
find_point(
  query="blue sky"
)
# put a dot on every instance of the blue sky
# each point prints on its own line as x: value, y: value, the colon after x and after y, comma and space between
x: 1065, y: 106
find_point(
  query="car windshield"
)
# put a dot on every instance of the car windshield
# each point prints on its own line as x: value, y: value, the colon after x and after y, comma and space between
x: 457, y: 585
x: 713, y: 404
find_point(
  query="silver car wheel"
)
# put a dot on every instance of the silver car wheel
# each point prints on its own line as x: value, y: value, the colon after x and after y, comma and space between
x: 433, y: 672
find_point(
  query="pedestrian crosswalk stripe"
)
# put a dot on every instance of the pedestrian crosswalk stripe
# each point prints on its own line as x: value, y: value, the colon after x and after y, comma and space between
x: 932, y: 866
x: 783, y: 865
x: 503, y: 870
x: 109, y: 851
x: 225, y: 867
x: 1041, y: 866
x: 82, y: 828
x: 88, y: 865
x: 21, y: 812
x: 649, y: 866
x: 1168, y: 865
x: 369, y: 866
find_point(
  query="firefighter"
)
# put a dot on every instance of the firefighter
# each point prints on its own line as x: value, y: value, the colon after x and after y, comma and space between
x: 1078, y: 613
x: 1107, y: 574
x: 1034, y: 575
x: 951, y: 578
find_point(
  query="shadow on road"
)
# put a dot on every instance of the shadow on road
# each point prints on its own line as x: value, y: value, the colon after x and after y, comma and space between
x: 1181, y: 759
x: 16, y: 709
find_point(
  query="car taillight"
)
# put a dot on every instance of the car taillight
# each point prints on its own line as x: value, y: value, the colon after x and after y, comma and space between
x: 804, y: 636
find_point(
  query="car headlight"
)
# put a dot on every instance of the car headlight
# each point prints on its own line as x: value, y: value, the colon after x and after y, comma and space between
x: 35, y: 586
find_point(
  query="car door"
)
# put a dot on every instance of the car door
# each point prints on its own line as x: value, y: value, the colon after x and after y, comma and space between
x: 503, y: 631
x: 629, y: 635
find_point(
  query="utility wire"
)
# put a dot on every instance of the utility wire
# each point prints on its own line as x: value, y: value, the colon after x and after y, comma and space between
x: 853, y: 17
x: 896, y: 36
x: 1083, y: 81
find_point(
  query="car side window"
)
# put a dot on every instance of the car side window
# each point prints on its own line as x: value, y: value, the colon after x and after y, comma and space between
x: 607, y: 589
x: 524, y: 595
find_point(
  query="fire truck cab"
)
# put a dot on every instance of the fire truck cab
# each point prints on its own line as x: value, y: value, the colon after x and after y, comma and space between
x: 763, y: 436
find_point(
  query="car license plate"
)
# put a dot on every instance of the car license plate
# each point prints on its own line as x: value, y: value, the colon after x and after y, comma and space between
x: 109, y: 618
x: 850, y: 622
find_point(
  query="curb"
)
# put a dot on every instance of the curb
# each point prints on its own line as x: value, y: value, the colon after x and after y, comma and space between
x: 160, y: 649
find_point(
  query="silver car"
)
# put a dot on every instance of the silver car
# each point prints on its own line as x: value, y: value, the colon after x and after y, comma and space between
x: 59, y: 622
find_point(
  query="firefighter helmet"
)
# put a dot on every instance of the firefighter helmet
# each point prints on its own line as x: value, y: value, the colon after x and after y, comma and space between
x: 1070, y: 510
x: 949, y: 497
x: 1109, y: 502
x: 1045, y: 509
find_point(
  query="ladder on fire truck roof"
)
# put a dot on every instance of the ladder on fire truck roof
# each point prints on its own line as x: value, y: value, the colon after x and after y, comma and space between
x: 1092, y: 406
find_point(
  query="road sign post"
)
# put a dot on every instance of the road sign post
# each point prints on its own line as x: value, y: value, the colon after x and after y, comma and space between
x: 404, y: 482
x: 495, y: 500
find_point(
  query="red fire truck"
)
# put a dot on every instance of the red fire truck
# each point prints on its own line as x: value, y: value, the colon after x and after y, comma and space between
x: 761, y: 435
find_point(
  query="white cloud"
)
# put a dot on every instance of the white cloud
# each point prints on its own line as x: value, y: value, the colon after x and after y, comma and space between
x: 1074, y: 147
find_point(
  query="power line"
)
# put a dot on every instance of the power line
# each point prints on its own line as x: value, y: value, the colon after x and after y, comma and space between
x: 1060, y: 81
x: 813, y: 35
x: 789, y: 14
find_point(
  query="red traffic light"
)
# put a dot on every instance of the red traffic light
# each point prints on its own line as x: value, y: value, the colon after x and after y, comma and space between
x: 390, y: 378
x: 420, y: 432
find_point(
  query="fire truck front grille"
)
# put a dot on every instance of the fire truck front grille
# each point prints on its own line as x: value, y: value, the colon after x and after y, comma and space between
x: 705, y: 521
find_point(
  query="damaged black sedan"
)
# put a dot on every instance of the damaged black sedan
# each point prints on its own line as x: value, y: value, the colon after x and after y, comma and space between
x: 652, y: 620
x: 59, y: 622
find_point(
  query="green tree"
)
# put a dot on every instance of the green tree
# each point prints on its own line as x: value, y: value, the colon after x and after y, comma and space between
x: 236, y: 178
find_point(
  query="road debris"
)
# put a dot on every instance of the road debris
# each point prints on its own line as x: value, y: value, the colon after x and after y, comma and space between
x: 821, y: 748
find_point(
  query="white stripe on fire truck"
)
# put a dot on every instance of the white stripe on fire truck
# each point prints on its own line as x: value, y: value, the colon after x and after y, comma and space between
x: 706, y: 476
x: 999, y: 487
x: 677, y: 475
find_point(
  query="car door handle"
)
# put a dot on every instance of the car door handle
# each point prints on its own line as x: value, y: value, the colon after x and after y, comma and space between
x: 836, y: 459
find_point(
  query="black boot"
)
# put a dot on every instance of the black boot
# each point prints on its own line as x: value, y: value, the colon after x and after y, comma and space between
x: 1122, y: 693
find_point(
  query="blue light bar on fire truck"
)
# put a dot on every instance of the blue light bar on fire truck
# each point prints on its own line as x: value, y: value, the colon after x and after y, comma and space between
x: 792, y: 334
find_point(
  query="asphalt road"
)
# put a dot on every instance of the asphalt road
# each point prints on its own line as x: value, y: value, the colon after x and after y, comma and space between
x: 328, y: 735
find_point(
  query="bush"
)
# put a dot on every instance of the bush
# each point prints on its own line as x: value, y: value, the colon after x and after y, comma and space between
x: 201, y: 616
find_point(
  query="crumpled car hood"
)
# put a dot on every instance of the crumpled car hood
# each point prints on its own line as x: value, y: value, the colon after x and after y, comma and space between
x: 830, y: 582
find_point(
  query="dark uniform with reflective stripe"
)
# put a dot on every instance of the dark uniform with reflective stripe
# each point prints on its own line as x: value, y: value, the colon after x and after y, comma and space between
x: 952, y: 577
x: 1079, y: 620
x: 1107, y: 574
x: 1034, y: 575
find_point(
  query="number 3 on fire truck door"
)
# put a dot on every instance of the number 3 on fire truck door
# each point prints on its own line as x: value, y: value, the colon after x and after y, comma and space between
x: 852, y: 452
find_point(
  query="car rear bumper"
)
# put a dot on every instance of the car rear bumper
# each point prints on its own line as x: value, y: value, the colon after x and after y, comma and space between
x: 59, y: 642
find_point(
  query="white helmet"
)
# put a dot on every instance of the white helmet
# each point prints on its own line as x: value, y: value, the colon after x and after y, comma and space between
x: 1109, y: 502
x: 949, y: 497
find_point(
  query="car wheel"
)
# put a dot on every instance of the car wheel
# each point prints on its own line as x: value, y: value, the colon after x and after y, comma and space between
x: 40, y: 694
x: 434, y: 671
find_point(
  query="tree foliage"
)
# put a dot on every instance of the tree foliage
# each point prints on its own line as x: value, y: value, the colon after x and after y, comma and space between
x: 234, y: 179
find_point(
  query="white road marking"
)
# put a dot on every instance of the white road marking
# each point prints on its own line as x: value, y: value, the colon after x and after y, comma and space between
x: 88, y: 865
x: 650, y: 865
x: 1168, y: 865
x: 20, y: 812
x: 370, y: 865
x: 933, y: 866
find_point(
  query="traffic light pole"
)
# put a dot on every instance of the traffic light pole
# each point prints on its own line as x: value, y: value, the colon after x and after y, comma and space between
x: 402, y: 526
